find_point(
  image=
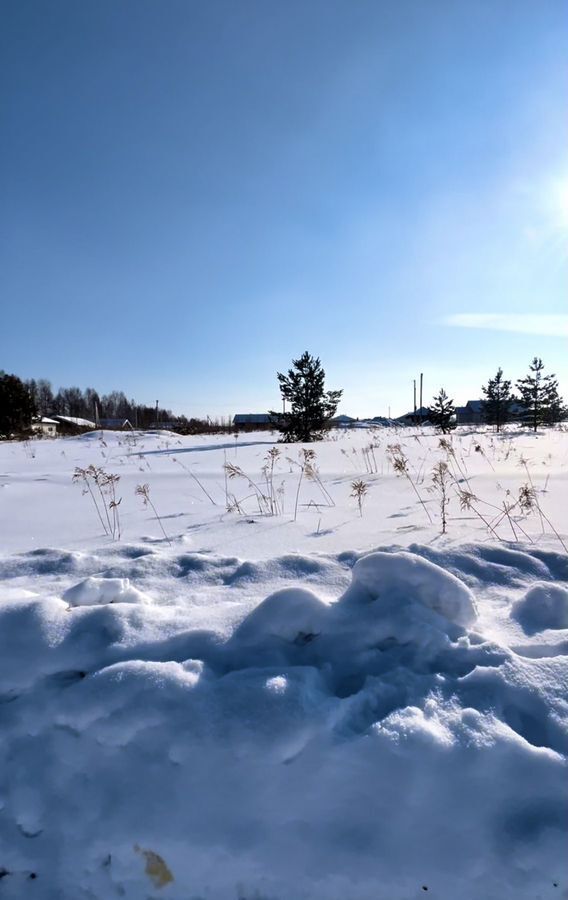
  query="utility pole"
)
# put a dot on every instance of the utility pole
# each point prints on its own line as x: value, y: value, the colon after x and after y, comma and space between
x: 156, y: 413
x: 421, y: 380
x: 415, y: 398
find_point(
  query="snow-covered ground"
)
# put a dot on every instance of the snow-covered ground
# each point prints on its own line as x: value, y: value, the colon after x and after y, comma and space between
x: 316, y: 704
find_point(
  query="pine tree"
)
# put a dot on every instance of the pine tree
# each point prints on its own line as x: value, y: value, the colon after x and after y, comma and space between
x: 442, y: 414
x: 555, y: 411
x: 311, y: 406
x: 16, y: 404
x: 539, y: 396
x: 499, y: 398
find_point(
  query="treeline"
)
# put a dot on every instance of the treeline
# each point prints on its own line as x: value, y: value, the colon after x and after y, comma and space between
x: 21, y: 401
x: 89, y: 404
x: 536, y: 403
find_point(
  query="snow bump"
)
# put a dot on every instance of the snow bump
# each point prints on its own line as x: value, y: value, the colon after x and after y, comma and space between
x: 96, y: 591
x: 403, y: 577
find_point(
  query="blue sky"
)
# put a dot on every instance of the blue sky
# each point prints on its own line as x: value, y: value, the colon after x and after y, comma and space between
x: 193, y: 193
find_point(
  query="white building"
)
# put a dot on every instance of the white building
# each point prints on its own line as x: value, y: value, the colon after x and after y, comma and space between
x: 45, y: 426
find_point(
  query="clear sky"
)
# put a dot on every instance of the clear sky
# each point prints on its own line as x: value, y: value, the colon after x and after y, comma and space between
x: 193, y: 193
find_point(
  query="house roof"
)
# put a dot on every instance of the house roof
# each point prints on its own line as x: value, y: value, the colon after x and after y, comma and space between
x: 75, y: 420
x: 253, y: 419
x: 423, y: 412
x: 382, y: 420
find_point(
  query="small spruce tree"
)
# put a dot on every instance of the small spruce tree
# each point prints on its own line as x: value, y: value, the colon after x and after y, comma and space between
x: 497, y: 406
x: 539, y: 396
x: 442, y: 413
x: 311, y: 406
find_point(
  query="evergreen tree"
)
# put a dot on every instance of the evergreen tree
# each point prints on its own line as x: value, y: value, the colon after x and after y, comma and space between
x: 16, y: 404
x: 499, y: 398
x: 555, y: 411
x: 442, y: 414
x: 539, y: 396
x: 311, y: 406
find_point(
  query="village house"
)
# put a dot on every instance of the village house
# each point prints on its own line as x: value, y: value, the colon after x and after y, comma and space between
x: 44, y: 426
x: 118, y: 424
x: 73, y: 424
x: 255, y: 421
x: 418, y: 417
x: 342, y: 421
x: 473, y: 413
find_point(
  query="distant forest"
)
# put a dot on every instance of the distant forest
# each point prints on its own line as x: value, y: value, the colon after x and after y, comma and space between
x: 89, y: 404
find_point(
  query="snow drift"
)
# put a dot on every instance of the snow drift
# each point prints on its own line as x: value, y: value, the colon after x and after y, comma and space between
x: 373, y: 745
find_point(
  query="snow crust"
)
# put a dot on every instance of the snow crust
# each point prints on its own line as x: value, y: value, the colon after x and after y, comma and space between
x: 317, y: 722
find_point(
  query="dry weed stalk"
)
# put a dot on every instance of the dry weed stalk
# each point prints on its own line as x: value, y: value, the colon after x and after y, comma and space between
x: 368, y: 454
x: 358, y: 490
x: 308, y: 470
x: 268, y: 471
x: 347, y: 456
x: 110, y: 485
x: 446, y: 445
x: 441, y: 478
x: 528, y: 502
x: 400, y: 466
x: 143, y: 490
x: 86, y: 476
x: 524, y: 463
x: 479, y: 449
x: 312, y: 474
x: 195, y: 478
x: 508, y: 508
x: 503, y: 512
x: 467, y: 499
x: 105, y: 484
x: 233, y: 471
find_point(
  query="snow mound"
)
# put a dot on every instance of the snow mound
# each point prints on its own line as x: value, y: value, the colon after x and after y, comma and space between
x: 287, y: 614
x: 95, y: 591
x: 307, y: 749
x: 394, y: 579
x: 544, y: 606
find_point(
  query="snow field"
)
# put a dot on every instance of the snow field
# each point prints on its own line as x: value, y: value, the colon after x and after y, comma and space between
x: 261, y: 711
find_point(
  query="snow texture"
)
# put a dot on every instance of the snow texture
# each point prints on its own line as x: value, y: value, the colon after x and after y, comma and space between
x: 307, y: 722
